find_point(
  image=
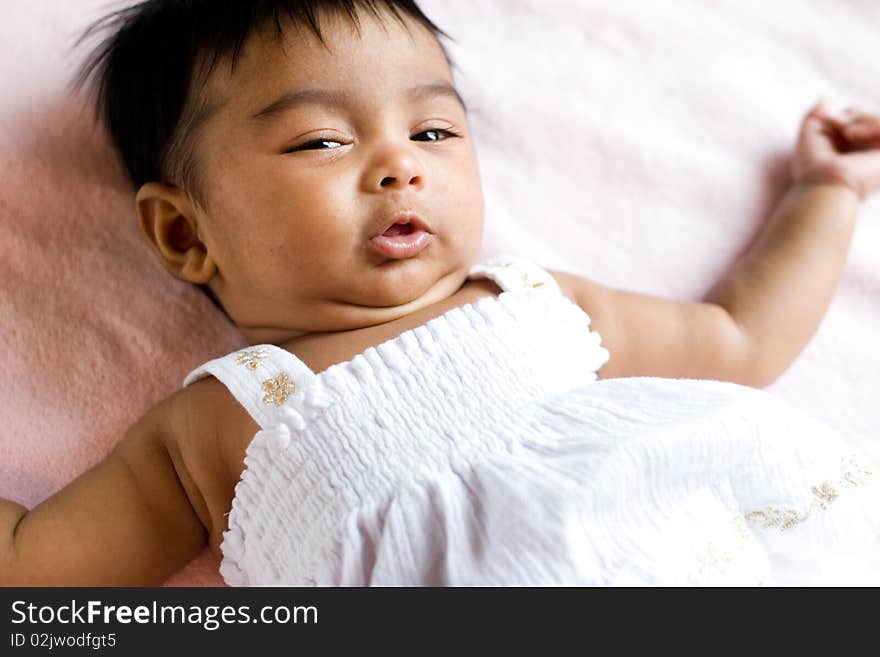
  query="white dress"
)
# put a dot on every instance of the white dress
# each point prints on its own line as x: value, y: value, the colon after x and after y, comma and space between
x: 480, y: 449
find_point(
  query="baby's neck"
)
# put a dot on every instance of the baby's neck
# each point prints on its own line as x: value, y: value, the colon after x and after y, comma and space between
x: 270, y: 336
x: 321, y: 350
x: 346, y: 319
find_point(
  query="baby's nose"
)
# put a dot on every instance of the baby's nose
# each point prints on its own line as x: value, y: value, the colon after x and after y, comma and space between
x: 395, y: 166
x: 389, y: 181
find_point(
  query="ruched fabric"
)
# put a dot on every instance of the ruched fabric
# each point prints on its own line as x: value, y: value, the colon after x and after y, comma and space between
x: 480, y: 449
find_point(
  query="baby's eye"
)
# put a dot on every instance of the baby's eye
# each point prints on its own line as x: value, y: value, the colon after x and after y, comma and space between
x: 317, y: 145
x: 436, y: 132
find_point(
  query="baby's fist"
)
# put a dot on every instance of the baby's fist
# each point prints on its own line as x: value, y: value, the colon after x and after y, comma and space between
x: 844, y: 152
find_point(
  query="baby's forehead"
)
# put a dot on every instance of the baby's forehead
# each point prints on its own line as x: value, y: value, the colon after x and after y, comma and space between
x: 333, y: 36
x: 270, y: 63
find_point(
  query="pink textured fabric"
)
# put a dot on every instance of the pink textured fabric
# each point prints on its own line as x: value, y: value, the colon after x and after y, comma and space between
x: 93, y: 331
x: 627, y: 142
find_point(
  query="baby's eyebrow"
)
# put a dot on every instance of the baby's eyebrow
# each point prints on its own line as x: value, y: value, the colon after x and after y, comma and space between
x: 335, y: 98
x: 434, y: 90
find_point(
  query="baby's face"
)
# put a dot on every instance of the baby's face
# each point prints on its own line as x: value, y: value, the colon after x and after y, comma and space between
x: 294, y: 196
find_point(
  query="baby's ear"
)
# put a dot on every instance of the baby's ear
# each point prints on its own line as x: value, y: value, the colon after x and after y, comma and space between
x: 168, y: 221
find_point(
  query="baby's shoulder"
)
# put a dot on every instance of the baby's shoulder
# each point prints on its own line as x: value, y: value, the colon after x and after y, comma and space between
x: 210, y: 432
x: 205, y: 413
x: 566, y: 281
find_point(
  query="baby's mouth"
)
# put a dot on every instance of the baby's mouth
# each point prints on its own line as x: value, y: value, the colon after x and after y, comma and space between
x: 401, y: 223
x: 401, y: 240
x: 399, y: 229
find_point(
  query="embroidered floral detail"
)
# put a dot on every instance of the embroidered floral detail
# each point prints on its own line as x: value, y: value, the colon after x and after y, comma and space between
x: 278, y: 389
x: 713, y: 562
x: 716, y: 561
x: 782, y: 518
x: 852, y: 474
x: 251, y: 359
x: 824, y: 495
x: 528, y: 282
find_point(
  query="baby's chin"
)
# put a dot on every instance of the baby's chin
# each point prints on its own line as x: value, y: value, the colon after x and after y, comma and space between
x: 406, y: 296
x: 393, y: 294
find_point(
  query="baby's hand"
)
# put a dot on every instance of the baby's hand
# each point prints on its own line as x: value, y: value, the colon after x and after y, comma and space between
x: 844, y: 152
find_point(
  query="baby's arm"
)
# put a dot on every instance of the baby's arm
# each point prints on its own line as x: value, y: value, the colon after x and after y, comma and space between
x: 756, y: 320
x: 126, y: 522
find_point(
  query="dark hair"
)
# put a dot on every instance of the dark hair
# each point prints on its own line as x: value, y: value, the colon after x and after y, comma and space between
x: 148, y: 69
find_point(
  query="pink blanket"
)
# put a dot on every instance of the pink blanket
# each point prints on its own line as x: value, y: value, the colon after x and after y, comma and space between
x: 635, y: 144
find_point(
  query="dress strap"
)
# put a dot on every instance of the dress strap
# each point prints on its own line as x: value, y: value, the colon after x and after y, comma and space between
x: 511, y: 273
x: 261, y: 377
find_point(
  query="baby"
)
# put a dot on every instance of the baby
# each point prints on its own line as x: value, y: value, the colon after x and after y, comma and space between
x: 405, y: 414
